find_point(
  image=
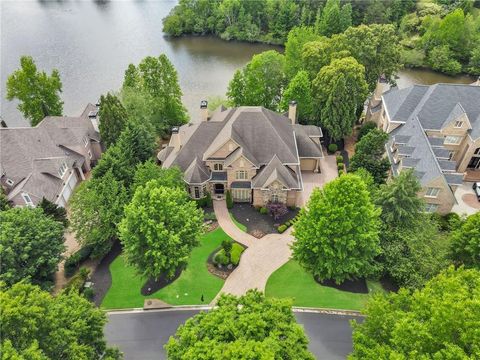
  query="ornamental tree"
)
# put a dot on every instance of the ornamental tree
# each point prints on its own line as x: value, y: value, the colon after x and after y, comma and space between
x: 36, y: 325
x: 439, y: 321
x: 31, y: 246
x: 260, y: 82
x: 369, y: 153
x: 339, y: 90
x: 171, y: 177
x: 113, y: 119
x: 246, y: 327
x: 96, y: 209
x: 160, y: 227
x: 337, y: 232
x: 465, y: 247
x: 38, y: 93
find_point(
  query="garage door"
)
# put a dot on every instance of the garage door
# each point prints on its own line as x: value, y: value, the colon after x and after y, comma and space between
x: 67, y: 191
x: 307, y: 164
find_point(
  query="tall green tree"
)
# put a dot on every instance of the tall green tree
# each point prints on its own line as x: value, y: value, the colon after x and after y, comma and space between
x: 369, y: 153
x: 171, y: 177
x: 4, y: 204
x: 297, y: 38
x: 135, y: 146
x: 465, y: 246
x: 299, y: 90
x: 160, y: 227
x: 260, y: 82
x: 37, y: 92
x: 31, y: 246
x: 339, y: 90
x: 155, y: 80
x: 57, y: 213
x: 398, y: 199
x: 37, y: 325
x: 334, y: 19
x: 317, y: 54
x: 251, y: 326
x: 96, y: 209
x: 113, y: 119
x: 439, y: 321
x: 337, y: 232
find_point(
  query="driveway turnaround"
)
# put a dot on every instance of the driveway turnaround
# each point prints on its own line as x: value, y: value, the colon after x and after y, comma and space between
x: 259, y: 261
x: 141, y: 335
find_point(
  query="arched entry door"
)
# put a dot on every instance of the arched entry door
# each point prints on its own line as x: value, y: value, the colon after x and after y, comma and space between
x: 219, y: 189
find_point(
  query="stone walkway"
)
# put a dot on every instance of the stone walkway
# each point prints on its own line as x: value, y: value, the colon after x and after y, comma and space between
x: 259, y: 261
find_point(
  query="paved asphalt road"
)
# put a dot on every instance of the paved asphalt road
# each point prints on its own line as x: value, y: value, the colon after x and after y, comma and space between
x: 141, y: 335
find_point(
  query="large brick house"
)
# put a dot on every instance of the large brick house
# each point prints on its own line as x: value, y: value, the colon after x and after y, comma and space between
x: 50, y: 159
x: 257, y: 154
x: 434, y: 130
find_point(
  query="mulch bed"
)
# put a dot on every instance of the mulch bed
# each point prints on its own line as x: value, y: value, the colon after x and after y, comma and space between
x: 152, y: 285
x: 358, y: 286
x: 223, y: 272
x: 256, y: 223
x: 101, y: 278
x: 389, y: 285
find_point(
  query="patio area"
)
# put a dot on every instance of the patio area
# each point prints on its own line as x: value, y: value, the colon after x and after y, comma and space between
x: 467, y: 202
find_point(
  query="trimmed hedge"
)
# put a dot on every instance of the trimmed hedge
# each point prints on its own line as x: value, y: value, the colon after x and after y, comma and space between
x: 236, y: 252
x: 287, y: 224
x: 332, y: 148
x: 339, y: 159
x: 263, y: 210
x: 282, y: 228
x: 73, y: 261
x: 340, y: 166
x: 229, y: 200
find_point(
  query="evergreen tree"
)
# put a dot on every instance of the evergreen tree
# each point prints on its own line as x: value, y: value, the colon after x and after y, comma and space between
x: 113, y: 118
x: 339, y: 90
x: 54, y: 211
x: 37, y: 92
x: 297, y: 38
x: 333, y: 19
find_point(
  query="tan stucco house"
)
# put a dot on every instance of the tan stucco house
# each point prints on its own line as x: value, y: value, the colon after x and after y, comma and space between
x: 257, y: 154
x: 50, y: 159
x: 434, y: 130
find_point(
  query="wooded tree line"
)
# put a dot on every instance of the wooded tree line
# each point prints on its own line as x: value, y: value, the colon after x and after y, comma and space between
x: 270, y: 21
x: 329, y: 77
x: 441, y: 34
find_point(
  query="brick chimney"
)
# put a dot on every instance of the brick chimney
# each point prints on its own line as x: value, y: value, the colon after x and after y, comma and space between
x: 204, y: 110
x: 292, y: 111
x: 175, y: 139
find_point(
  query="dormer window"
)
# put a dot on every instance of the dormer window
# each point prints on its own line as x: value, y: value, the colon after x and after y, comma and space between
x: 218, y: 167
x: 85, y: 141
x: 27, y: 199
x: 9, y: 182
x: 63, y: 169
x: 458, y: 124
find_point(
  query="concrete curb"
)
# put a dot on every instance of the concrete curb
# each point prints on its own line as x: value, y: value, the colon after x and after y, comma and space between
x: 325, y: 311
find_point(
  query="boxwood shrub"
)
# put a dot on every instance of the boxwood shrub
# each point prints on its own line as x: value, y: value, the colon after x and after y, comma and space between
x: 282, y: 228
x: 339, y: 159
x: 73, y: 261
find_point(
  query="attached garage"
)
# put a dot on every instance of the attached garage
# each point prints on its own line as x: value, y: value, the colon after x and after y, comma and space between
x: 308, y: 164
x: 68, y: 189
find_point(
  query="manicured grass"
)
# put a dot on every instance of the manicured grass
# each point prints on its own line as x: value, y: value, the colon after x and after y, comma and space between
x: 188, y: 289
x: 291, y: 280
x: 239, y: 224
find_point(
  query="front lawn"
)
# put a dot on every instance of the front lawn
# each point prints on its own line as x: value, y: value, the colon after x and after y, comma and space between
x: 239, y: 224
x: 188, y: 289
x: 291, y: 280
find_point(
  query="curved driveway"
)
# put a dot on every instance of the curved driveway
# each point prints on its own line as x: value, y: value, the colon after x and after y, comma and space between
x: 259, y: 261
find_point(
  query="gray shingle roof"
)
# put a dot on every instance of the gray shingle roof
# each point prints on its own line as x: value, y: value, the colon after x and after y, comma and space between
x: 402, y: 102
x: 196, y: 172
x: 276, y: 171
x: 454, y: 179
x: 260, y: 134
x: 34, y: 154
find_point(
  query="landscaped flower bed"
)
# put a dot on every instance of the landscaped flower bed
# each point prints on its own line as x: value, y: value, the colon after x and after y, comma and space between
x: 287, y: 224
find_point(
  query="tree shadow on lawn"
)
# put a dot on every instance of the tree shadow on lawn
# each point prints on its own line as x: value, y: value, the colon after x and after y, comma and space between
x: 357, y: 286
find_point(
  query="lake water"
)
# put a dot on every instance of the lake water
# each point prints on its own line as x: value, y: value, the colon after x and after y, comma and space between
x: 91, y: 43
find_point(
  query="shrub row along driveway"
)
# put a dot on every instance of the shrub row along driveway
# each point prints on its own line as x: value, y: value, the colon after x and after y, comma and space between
x: 259, y: 261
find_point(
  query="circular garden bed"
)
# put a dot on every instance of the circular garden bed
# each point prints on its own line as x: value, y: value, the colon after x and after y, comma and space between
x: 221, y: 264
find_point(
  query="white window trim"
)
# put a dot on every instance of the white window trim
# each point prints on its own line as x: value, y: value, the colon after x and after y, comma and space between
x: 27, y: 199
x: 435, y: 190
x: 430, y: 208
x: 458, y: 122
x: 244, y: 175
x: 9, y: 182
x: 449, y: 137
x: 63, y: 169
x: 217, y: 166
x: 85, y: 141
x: 90, y: 154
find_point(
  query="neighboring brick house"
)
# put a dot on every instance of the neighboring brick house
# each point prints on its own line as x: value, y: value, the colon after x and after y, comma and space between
x: 48, y: 160
x: 256, y: 153
x: 434, y: 130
